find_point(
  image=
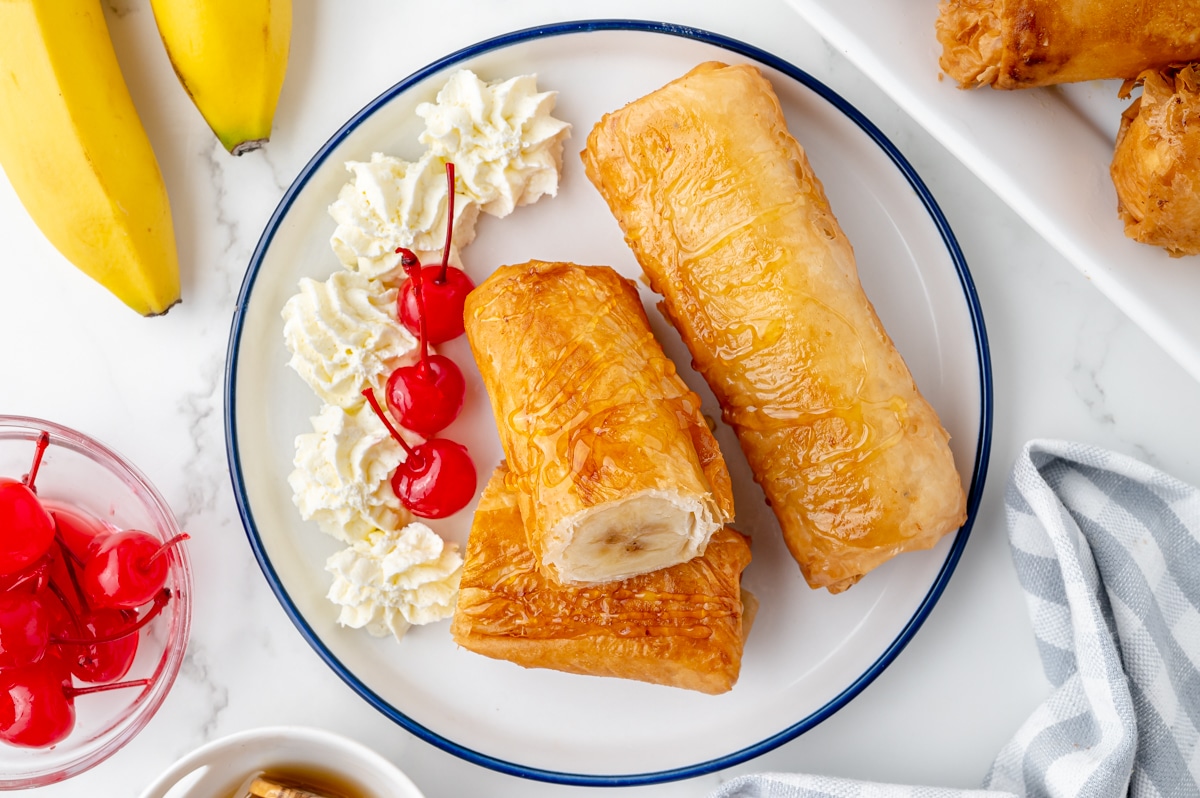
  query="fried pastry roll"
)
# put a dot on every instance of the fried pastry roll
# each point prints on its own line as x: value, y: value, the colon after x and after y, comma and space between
x: 614, y: 468
x: 723, y: 211
x: 1156, y: 163
x: 681, y: 626
x: 1018, y: 44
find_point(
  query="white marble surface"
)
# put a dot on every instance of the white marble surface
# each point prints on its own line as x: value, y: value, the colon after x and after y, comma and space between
x: 1066, y: 364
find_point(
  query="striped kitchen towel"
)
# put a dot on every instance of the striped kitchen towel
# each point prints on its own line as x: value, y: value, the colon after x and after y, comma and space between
x: 1108, y: 552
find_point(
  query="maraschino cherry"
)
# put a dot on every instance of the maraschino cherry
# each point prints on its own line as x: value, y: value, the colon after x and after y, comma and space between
x: 26, y: 529
x: 445, y: 288
x: 75, y: 529
x: 37, y: 702
x: 24, y: 629
x: 125, y: 569
x: 427, y: 396
x: 437, y: 478
x: 101, y: 644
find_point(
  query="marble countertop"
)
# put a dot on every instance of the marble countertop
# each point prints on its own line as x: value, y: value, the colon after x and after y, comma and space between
x: 1066, y: 364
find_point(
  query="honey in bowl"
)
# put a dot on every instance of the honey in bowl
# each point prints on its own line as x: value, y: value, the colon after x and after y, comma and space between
x: 297, y: 783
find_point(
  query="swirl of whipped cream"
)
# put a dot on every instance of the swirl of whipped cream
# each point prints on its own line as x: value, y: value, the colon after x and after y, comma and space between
x: 505, y: 145
x: 342, y: 472
x: 344, y: 336
x: 391, y: 581
x: 391, y: 203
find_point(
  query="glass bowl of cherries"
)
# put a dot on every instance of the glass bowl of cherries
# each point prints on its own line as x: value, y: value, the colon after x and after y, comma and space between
x: 95, y: 602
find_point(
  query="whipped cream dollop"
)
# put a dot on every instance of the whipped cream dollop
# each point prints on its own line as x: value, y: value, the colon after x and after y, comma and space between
x: 392, y: 203
x: 505, y: 145
x: 344, y: 336
x: 342, y: 472
x: 390, y: 581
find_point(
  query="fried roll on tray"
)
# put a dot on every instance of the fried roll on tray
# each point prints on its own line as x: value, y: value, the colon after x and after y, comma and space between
x: 1156, y: 164
x: 1018, y: 44
x: 615, y: 471
x: 732, y: 227
x: 681, y: 626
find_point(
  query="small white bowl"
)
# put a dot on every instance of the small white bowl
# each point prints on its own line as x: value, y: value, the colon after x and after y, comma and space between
x: 216, y: 769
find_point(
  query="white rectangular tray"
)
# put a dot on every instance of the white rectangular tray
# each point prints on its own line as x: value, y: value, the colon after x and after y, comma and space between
x: 1045, y: 152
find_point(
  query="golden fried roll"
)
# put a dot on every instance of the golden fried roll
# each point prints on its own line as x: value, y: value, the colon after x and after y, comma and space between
x: 1018, y: 44
x: 681, y: 626
x: 614, y: 468
x: 1156, y: 164
x: 731, y: 226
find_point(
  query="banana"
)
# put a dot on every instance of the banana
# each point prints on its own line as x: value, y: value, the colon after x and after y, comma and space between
x: 231, y: 57
x: 75, y: 151
x: 635, y: 535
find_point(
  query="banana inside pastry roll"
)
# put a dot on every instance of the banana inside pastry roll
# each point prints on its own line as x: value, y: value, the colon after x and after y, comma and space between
x: 682, y: 626
x: 1018, y: 44
x: 1156, y: 163
x: 731, y: 226
x: 614, y: 469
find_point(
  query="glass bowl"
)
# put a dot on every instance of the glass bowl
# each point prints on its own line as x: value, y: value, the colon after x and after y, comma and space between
x: 82, y: 472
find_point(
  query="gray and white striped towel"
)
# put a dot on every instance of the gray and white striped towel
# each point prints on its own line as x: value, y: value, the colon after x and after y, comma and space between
x: 1108, y: 552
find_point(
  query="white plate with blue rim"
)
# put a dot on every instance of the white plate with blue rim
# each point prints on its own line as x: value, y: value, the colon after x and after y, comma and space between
x: 809, y: 653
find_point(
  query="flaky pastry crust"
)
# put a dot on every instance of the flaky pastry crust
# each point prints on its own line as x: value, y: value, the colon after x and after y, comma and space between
x: 681, y: 627
x: 730, y: 224
x: 614, y: 468
x: 1017, y: 44
x: 1156, y: 162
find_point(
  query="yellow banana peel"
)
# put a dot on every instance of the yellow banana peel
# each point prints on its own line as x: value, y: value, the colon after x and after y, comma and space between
x: 231, y: 57
x: 75, y: 151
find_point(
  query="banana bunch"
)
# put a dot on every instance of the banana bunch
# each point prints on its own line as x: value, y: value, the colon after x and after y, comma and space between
x: 231, y: 56
x: 75, y: 151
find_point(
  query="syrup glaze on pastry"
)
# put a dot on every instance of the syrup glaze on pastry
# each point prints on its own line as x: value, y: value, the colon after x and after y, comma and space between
x: 730, y: 224
x: 613, y: 466
x: 682, y: 626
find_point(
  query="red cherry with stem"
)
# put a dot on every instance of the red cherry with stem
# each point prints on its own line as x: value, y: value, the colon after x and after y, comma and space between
x: 428, y: 395
x: 125, y: 569
x: 37, y: 702
x: 101, y: 645
x: 36, y: 710
x: 445, y: 287
x: 99, y: 662
x: 437, y: 479
x: 24, y: 629
x: 26, y: 529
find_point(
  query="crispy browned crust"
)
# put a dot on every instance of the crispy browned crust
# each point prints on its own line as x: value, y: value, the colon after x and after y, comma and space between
x: 681, y: 627
x: 1156, y: 163
x: 723, y: 211
x: 589, y: 408
x: 1017, y: 44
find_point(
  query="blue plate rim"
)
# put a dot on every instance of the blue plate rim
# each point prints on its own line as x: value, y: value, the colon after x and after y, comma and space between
x: 974, y: 493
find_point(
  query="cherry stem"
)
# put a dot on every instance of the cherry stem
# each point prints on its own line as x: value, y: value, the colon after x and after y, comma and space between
x: 160, y: 601
x: 175, y: 541
x: 370, y: 394
x: 412, y: 267
x: 39, y: 449
x: 441, y: 279
x: 73, y: 691
x: 66, y: 605
x: 69, y: 560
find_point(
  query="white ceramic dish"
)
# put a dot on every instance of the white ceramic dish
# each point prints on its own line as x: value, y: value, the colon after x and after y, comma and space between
x: 1045, y: 152
x: 216, y: 770
x: 809, y: 652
